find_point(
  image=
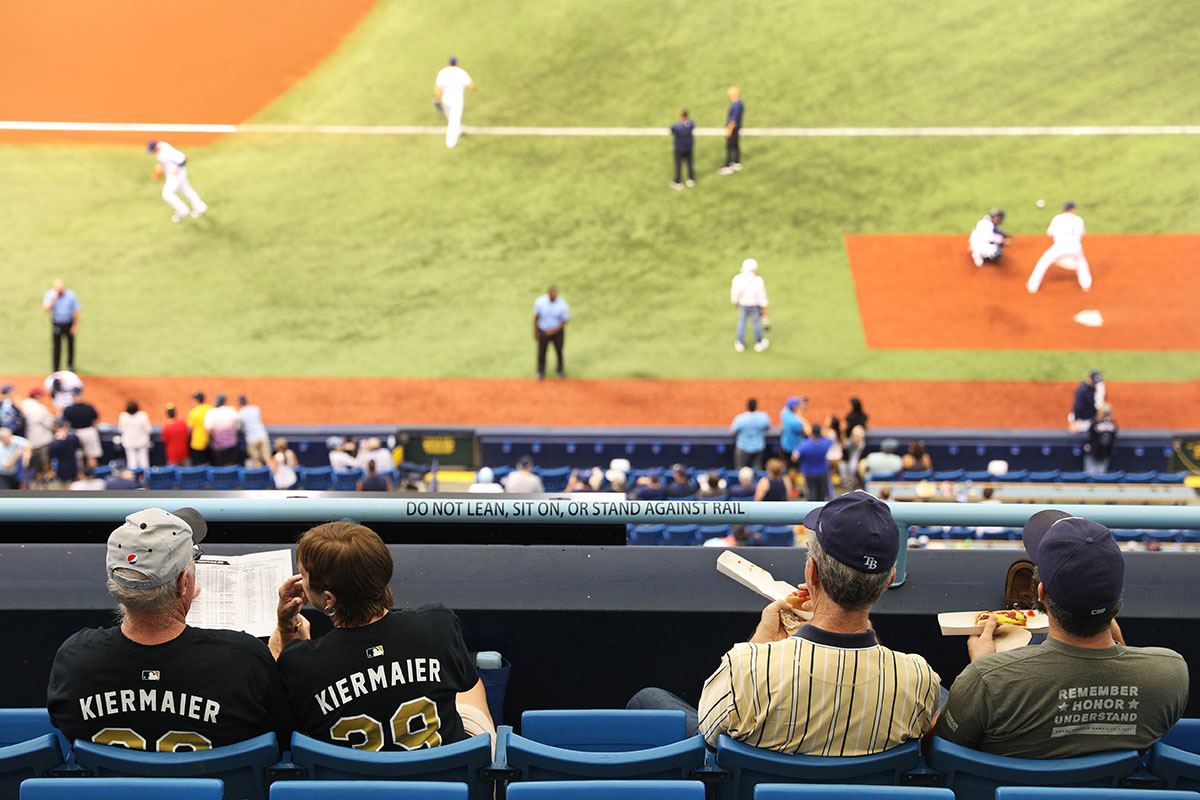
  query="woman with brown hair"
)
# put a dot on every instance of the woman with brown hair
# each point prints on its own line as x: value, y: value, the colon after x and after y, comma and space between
x: 382, y: 679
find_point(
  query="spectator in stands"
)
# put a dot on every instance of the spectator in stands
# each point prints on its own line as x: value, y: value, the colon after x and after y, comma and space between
x: 750, y: 431
x: 221, y: 422
x: 738, y: 536
x: 832, y: 430
x: 82, y: 417
x: 64, y: 455
x: 14, y: 451
x: 200, y: 440
x: 283, y: 465
x: 618, y: 480
x: 342, y: 453
x: 258, y: 443
x: 135, y: 429
x: 856, y: 443
x: 682, y: 485
x: 917, y: 458
x: 39, y: 432
x: 63, y: 386
x: 372, y: 481
x: 649, y: 486
x: 87, y: 482
x: 122, y: 479
x: 485, y: 482
x: 1083, y: 409
x: 829, y: 680
x: 814, y: 465
x: 713, y: 485
x: 744, y: 489
x: 1082, y: 690
x: 580, y: 481
x: 882, y: 462
x: 372, y: 450
x: 175, y: 439
x: 10, y: 414
x: 345, y: 571
x: 793, y: 428
x: 1102, y: 435
x: 775, y: 485
x: 523, y: 480
x: 209, y: 688
x: 856, y: 417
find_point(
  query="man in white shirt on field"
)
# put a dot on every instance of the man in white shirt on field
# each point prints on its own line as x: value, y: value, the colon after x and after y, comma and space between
x: 987, y: 240
x: 173, y: 164
x: 1067, y: 251
x: 749, y: 293
x: 448, y: 92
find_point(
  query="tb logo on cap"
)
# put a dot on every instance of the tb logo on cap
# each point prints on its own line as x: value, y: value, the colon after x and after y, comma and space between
x: 869, y: 562
x: 131, y: 558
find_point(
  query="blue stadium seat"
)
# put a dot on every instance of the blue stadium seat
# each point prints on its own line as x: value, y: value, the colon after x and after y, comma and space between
x: 779, y: 535
x: 979, y: 475
x: 162, y: 478
x: 1176, y: 759
x: 784, y: 791
x: 749, y: 766
x: 1045, y: 476
x: 891, y: 476
x: 1068, y: 793
x: 1077, y: 476
x: 192, y: 479
x: 460, y: 762
x: 607, y: 790
x: 995, y: 536
x: 257, y: 478
x: 1131, y: 535
x: 22, y: 724
x: 713, y: 499
x: 915, y: 475
x: 224, y: 478
x: 651, y: 534
x: 604, y: 730
x: 974, y: 775
x: 316, y: 479
x: 1141, y: 477
x: 960, y: 532
x: 369, y: 790
x: 932, y: 532
x: 1171, y: 477
x: 241, y: 766
x: 122, y: 789
x: 103, y: 471
x: 713, y: 531
x: 33, y: 758
x: 1185, y: 735
x: 682, y: 535
x: 500, y: 472
x: 347, y: 481
x: 949, y: 475
x: 555, y: 479
x: 1116, y: 476
x: 1013, y: 476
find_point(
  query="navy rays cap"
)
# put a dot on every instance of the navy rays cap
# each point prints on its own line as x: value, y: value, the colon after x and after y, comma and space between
x: 858, y: 530
x: 1078, y: 561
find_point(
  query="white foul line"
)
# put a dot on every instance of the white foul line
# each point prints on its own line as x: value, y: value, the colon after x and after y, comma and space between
x: 407, y: 130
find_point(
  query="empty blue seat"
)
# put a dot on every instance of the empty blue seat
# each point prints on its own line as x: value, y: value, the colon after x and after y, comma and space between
x: 242, y: 766
x: 460, y: 762
x: 1122, y: 535
x: 22, y: 724
x: 193, y: 479
x: 523, y: 758
x: 749, y: 766
x: 891, y: 476
x: 949, y: 475
x: 1001, y: 535
x: 316, y: 479
x: 500, y: 472
x: 682, y: 535
x: 257, y: 478
x: 33, y: 758
x: 1185, y: 735
x: 916, y: 475
x: 1077, y: 476
x: 103, y: 471
x: 607, y: 790
x: 647, y: 534
x: 369, y: 790
x: 555, y: 479
x: 347, y: 481
x: 604, y: 730
x: 1013, y: 476
x: 1071, y: 793
x: 783, y: 791
x: 1044, y: 476
x: 162, y: 478
x: 1141, y: 477
x: 960, y: 532
x: 224, y: 478
x: 1171, y: 477
x: 122, y: 789
x: 713, y: 531
x: 1116, y: 476
x: 974, y: 775
x: 979, y: 475
x: 779, y: 535
x: 1176, y: 759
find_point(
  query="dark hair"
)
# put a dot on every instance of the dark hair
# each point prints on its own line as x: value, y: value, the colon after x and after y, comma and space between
x: 351, y: 562
x: 835, y: 425
x: 815, y: 431
x: 856, y: 404
x: 131, y: 407
x: 242, y: 399
x: 1079, y: 625
x: 524, y: 462
x: 683, y: 113
x: 170, y: 412
x: 752, y: 404
x: 916, y: 448
x: 371, y: 467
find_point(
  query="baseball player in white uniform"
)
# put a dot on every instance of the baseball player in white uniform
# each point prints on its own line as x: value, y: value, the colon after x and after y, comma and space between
x: 1067, y: 251
x: 172, y: 163
x: 987, y: 240
x: 448, y: 92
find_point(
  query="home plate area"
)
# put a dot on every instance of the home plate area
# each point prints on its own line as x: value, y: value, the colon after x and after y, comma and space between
x: 922, y: 292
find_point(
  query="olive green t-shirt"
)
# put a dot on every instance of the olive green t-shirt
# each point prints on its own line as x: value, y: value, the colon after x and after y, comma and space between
x: 1056, y: 700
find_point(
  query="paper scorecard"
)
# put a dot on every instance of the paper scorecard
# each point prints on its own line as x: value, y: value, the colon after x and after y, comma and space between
x: 240, y: 593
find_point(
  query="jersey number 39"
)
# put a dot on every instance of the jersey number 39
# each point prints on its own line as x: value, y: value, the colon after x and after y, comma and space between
x: 414, y: 725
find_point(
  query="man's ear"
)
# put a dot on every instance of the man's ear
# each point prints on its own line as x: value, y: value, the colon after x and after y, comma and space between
x: 1041, y: 593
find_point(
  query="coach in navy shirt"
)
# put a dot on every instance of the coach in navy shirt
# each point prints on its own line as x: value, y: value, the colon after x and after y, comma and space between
x: 682, y: 131
x: 733, y: 126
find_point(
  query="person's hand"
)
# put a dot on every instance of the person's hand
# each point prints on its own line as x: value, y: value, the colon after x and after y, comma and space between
x: 75, y: 329
x: 770, y: 624
x: 291, y: 600
x: 983, y: 644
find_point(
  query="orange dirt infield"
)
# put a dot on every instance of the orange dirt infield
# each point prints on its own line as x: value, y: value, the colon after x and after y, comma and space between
x: 218, y: 61
x: 923, y: 292
x: 638, y: 402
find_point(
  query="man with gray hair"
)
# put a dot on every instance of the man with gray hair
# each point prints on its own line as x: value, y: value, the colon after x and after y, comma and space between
x: 152, y: 682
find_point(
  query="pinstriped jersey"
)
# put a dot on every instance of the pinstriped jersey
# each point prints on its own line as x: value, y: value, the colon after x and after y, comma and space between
x: 819, y: 693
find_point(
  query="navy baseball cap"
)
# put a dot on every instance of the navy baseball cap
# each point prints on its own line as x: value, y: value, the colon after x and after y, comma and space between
x: 150, y: 145
x: 858, y: 530
x: 1078, y: 561
x: 1067, y: 206
x: 1095, y: 376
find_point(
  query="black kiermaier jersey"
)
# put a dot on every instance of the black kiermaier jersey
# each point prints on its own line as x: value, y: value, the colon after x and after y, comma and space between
x: 203, y: 689
x: 390, y: 685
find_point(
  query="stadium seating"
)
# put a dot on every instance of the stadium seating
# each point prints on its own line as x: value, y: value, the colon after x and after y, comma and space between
x: 461, y: 762
x: 1078, y: 476
x: 750, y: 766
x: 347, y: 481
x: 29, y: 759
x: 682, y: 535
x: 916, y: 475
x: 1116, y: 476
x: 1013, y: 476
x: 1176, y: 759
x: 193, y: 478
x: 225, y: 478
x: 122, y: 789
x: 316, y: 479
x: 649, y: 534
x: 604, y: 730
x: 1045, y: 476
x: 1141, y: 477
x: 162, y: 478
x: 369, y: 790
x: 783, y: 791
x: 779, y: 535
x: 241, y: 766
x: 949, y: 475
x: 555, y: 479
x: 607, y: 790
x: 257, y: 478
x: 22, y: 724
x: 974, y: 775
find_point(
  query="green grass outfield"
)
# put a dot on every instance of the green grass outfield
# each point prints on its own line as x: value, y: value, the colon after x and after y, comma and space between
x: 391, y: 255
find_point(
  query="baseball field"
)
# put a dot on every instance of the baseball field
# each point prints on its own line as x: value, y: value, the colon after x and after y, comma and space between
x: 353, y: 269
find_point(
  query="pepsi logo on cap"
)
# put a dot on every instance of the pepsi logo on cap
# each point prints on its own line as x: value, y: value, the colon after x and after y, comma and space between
x: 131, y: 558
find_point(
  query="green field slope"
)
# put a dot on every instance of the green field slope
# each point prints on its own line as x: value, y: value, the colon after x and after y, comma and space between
x: 381, y: 255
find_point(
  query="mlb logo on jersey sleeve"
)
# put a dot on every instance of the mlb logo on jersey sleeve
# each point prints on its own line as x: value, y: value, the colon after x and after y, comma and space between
x: 151, y: 675
x: 375, y: 652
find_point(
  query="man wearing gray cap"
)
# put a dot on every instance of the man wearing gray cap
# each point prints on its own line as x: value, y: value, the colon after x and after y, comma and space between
x: 152, y: 682
x: 1081, y: 691
x: 883, y: 461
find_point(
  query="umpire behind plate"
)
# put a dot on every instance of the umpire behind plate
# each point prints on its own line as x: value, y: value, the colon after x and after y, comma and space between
x: 987, y: 240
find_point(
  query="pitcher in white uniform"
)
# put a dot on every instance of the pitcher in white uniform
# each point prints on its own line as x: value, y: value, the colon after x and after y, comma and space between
x: 448, y: 90
x: 1067, y: 251
x: 172, y: 163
